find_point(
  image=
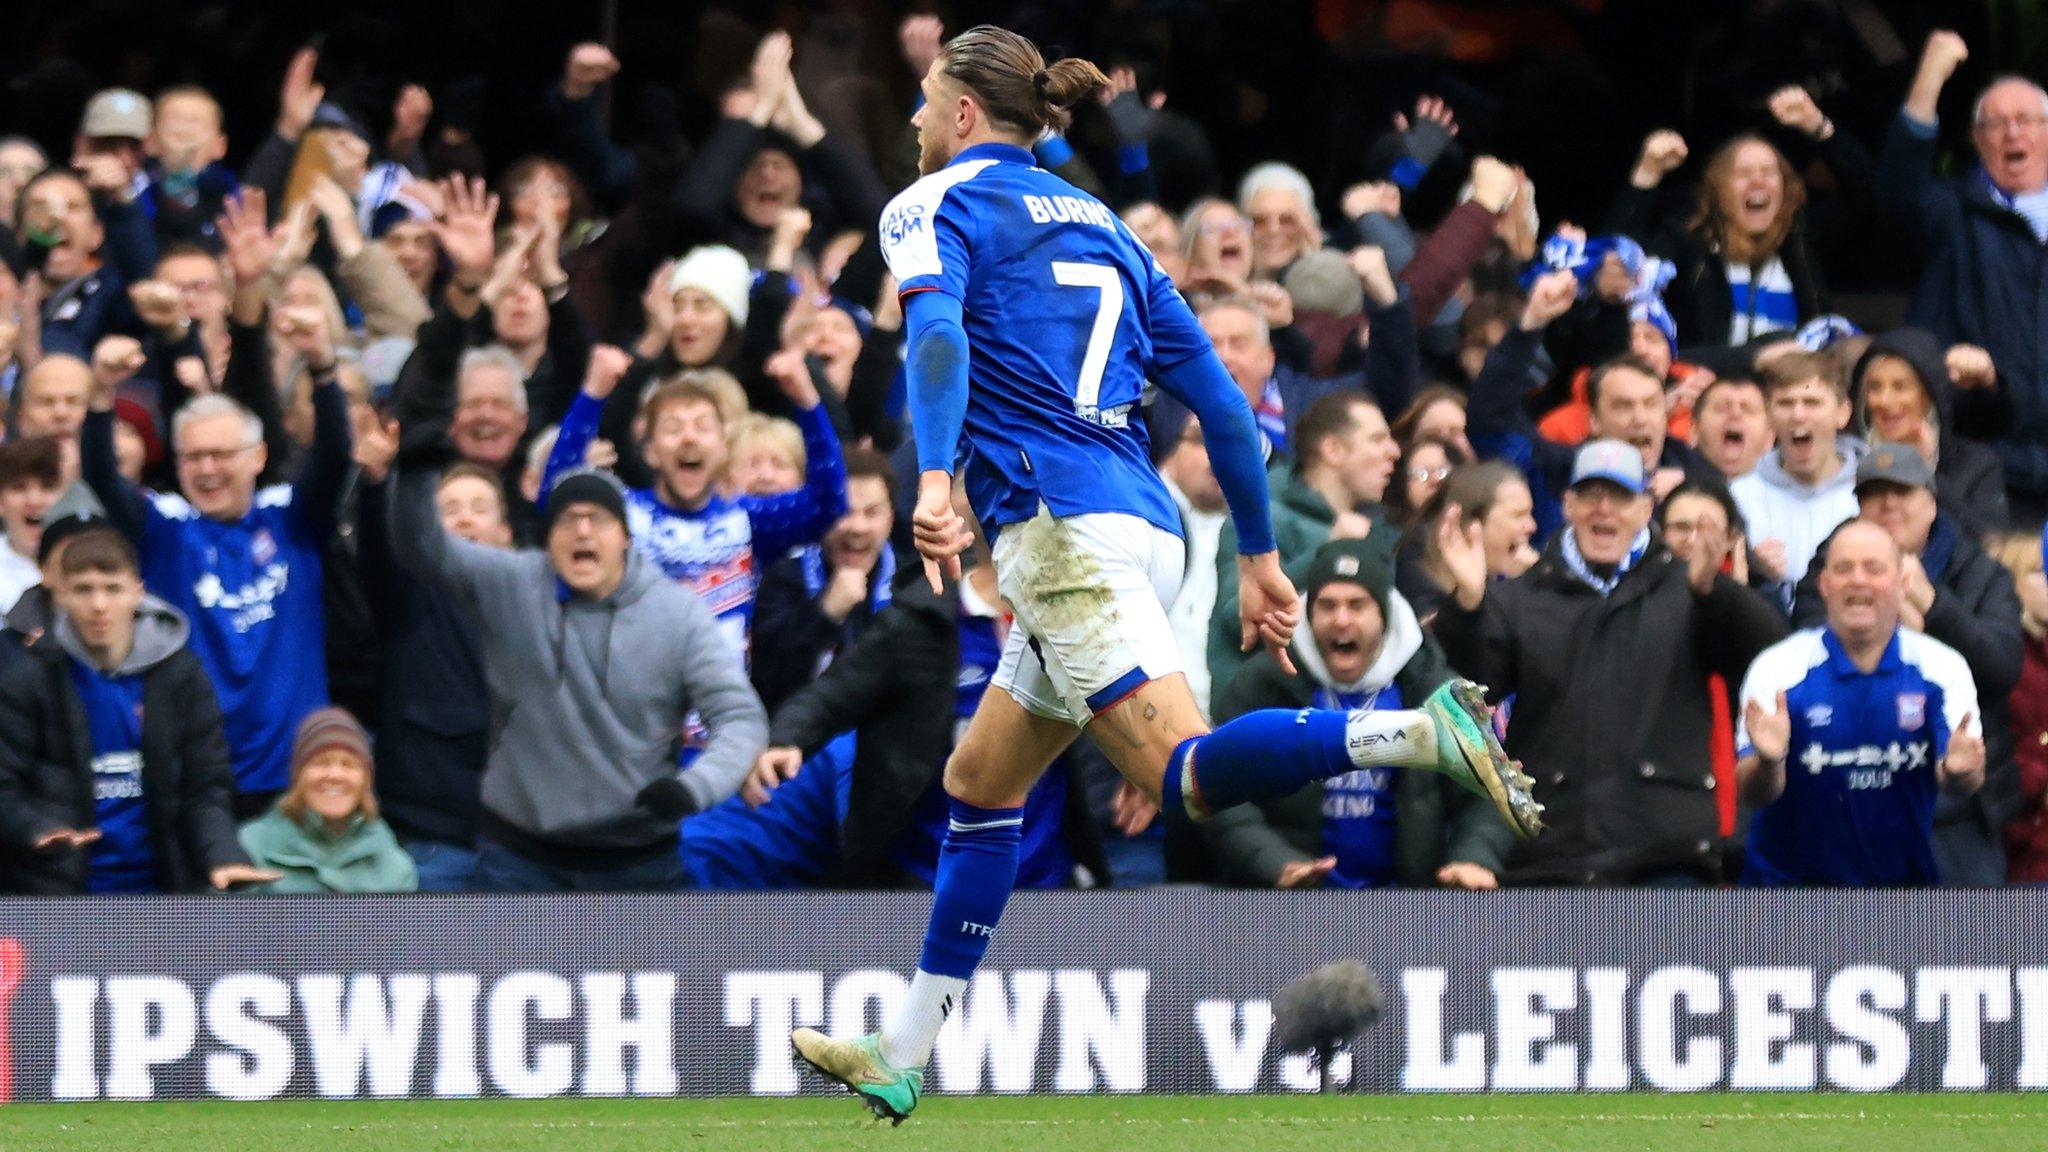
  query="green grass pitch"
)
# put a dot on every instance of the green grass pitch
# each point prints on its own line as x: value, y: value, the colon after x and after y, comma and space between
x: 1579, y: 1123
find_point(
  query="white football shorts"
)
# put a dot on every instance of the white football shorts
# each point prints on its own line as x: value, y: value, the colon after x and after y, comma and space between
x: 1090, y: 595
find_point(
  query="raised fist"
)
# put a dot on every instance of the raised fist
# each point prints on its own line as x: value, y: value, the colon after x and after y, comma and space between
x: 590, y: 64
x: 1663, y: 151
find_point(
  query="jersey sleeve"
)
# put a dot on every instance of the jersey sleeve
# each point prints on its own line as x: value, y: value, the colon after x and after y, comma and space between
x: 927, y: 238
x: 1951, y: 673
x: 1776, y: 669
x: 1177, y: 336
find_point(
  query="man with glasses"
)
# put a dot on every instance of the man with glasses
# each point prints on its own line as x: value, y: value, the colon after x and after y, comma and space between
x: 243, y: 565
x: 1988, y: 235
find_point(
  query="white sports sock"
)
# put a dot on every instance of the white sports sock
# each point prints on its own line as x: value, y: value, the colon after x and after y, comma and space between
x: 1398, y: 738
x: 908, y: 1036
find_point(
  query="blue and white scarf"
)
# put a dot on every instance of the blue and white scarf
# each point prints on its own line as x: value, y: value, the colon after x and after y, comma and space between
x: 1576, y: 562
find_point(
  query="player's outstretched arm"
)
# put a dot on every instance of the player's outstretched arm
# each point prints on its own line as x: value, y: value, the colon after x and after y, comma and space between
x: 936, y: 366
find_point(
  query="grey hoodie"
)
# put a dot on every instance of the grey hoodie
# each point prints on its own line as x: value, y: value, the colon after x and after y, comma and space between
x: 588, y: 696
x: 160, y: 630
x: 1778, y: 507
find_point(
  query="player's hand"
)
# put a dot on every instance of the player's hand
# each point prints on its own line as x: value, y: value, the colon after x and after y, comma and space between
x: 1468, y: 876
x: 1268, y: 607
x: 1133, y: 810
x: 1962, y: 770
x: 771, y: 770
x: 940, y: 533
x: 1305, y: 873
x: 1770, y: 733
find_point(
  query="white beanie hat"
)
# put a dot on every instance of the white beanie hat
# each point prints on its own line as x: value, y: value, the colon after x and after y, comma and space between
x: 720, y: 273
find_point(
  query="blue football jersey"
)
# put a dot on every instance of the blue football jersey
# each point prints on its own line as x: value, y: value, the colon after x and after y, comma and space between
x: 1066, y: 314
x: 1860, y: 771
x: 251, y: 590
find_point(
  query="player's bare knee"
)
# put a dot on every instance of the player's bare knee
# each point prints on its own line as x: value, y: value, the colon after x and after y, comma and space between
x: 970, y: 778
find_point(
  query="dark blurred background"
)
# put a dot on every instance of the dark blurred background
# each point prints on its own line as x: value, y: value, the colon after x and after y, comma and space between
x: 1565, y: 88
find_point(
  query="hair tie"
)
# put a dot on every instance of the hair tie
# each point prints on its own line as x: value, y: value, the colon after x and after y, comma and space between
x: 1040, y: 79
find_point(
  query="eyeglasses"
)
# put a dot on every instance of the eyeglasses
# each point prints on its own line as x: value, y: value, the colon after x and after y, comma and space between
x: 217, y: 456
x: 1998, y: 125
x: 1436, y: 475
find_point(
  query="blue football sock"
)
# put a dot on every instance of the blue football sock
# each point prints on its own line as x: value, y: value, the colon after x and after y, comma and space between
x: 977, y: 869
x: 1271, y: 752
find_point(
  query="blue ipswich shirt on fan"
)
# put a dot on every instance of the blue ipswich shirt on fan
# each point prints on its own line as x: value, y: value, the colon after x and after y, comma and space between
x: 250, y: 587
x: 1861, y: 769
x: 1359, y: 806
x: 1065, y: 314
x: 713, y: 550
x: 122, y: 859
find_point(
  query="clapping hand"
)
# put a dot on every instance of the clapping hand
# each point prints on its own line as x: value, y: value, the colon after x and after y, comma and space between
x: 1770, y: 733
x: 1962, y: 769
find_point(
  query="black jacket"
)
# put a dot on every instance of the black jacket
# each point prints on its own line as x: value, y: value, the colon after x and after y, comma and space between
x: 1977, y: 613
x: 1435, y: 821
x: 1699, y: 297
x: 434, y: 710
x: 1612, y: 712
x: 895, y: 691
x: 792, y: 634
x: 1969, y: 483
x: 46, y: 777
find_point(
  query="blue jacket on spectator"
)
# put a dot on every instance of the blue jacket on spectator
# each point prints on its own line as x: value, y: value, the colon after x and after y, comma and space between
x: 1985, y: 283
x: 77, y: 313
x: 250, y: 588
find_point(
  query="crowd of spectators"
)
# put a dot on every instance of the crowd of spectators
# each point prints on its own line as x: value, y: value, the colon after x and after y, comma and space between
x: 382, y: 515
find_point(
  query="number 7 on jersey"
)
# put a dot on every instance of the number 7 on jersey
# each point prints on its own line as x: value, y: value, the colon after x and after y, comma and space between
x: 1109, y: 306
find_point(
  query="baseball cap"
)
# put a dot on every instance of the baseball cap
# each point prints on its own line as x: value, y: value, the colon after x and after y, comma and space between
x: 587, y: 486
x: 116, y: 112
x: 1609, y: 460
x: 1889, y: 462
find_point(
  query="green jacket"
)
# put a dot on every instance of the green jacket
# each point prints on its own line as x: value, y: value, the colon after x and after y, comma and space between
x: 1301, y: 524
x: 363, y: 857
x: 1436, y: 822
